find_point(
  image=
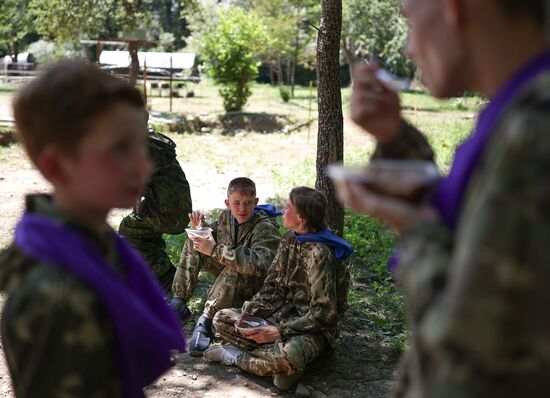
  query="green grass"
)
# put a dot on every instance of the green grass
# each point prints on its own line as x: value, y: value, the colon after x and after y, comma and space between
x: 376, y: 305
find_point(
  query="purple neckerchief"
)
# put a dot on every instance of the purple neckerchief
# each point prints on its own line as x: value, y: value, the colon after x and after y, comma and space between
x: 144, y: 327
x: 451, y: 190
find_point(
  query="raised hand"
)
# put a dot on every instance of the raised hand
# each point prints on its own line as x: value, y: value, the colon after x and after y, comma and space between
x: 196, y: 218
x: 374, y: 105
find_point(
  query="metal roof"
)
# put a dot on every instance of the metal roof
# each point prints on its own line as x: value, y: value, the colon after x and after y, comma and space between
x: 153, y: 59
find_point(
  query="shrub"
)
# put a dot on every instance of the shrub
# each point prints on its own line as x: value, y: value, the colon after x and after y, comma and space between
x: 284, y: 92
x: 230, y: 53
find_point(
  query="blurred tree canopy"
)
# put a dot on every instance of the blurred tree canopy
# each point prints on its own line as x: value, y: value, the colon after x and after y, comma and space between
x: 373, y: 29
x: 69, y: 21
x: 16, y: 24
x: 376, y: 30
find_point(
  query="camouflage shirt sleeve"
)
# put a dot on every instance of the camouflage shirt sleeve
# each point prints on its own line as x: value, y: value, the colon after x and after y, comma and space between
x: 478, y: 297
x: 266, y: 301
x: 57, y: 338
x: 408, y: 144
x: 322, y: 314
x: 253, y: 259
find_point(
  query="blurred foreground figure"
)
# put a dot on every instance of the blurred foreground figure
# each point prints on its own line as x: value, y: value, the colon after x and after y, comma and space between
x: 83, y: 317
x: 473, y: 259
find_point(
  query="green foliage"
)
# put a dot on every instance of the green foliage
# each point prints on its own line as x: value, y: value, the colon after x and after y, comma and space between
x: 68, y: 20
x: 284, y: 93
x: 16, y: 22
x: 375, y: 302
x: 376, y: 29
x: 230, y: 52
x: 47, y: 52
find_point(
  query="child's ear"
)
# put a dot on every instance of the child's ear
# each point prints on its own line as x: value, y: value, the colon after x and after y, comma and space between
x: 227, y: 202
x: 50, y: 165
x: 256, y: 201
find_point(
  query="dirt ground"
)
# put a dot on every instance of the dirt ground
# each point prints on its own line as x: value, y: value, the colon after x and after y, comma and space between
x: 359, y: 369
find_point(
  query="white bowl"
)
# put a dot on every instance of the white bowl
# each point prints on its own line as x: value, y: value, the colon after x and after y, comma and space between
x: 201, y: 233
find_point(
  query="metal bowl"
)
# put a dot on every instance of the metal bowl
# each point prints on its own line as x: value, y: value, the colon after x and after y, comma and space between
x: 250, y: 323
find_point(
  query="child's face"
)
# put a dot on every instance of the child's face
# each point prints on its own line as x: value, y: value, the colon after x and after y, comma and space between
x: 112, y: 165
x: 291, y: 217
x: 241, y: 206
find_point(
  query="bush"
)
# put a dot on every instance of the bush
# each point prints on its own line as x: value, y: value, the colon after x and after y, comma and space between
x: 44, y: 51
x: 230, y: 53
x: 47, y: 52
x: 284, y: 92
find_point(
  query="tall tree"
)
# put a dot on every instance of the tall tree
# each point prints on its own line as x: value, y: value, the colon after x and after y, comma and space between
x: 330, y: 138
x: 15, y: 23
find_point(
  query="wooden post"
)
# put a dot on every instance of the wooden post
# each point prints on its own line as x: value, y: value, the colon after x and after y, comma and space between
x: 145, y: 82
x: 97, y: 51
x: 171, y: 83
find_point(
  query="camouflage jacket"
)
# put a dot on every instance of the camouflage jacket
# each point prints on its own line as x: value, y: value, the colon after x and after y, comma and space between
x: 56, y: 332
x: 477, y: 295
x: 249, y: 248
x: 299, y: 293
x: 167, y: 199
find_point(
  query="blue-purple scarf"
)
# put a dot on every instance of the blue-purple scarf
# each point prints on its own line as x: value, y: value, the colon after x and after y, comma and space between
x: 268, y: 209
x: 144, y: 327
x: 450, y: 192
x: 449, y: 196
x: 339, y: 246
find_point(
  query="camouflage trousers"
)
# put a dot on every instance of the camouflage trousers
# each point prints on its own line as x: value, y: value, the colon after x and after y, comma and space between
x: 230, y: 289
x: 152, y: 247
x: 283, y: 356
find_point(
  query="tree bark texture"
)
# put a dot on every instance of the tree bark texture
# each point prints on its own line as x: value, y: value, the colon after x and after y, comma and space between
x: 134, y: 64
x: 330, y: 138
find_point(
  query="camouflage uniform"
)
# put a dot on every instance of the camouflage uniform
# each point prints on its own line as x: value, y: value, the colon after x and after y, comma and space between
x: 56, y: 332
x: 162, y: 210
x: 478, y: 294
x: 299, y: 296
x: 239, y: 261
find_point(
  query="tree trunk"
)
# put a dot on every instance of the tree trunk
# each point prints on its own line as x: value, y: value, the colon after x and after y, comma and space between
x: 279, y: 71
x: 330, y: 139
x: 271, y: 73
x: 134, y: 65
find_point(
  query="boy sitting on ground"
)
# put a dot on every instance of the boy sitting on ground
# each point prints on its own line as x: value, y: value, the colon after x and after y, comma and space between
x: 243, y: 243
x: 301, y: 299
x: 83, y: 316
